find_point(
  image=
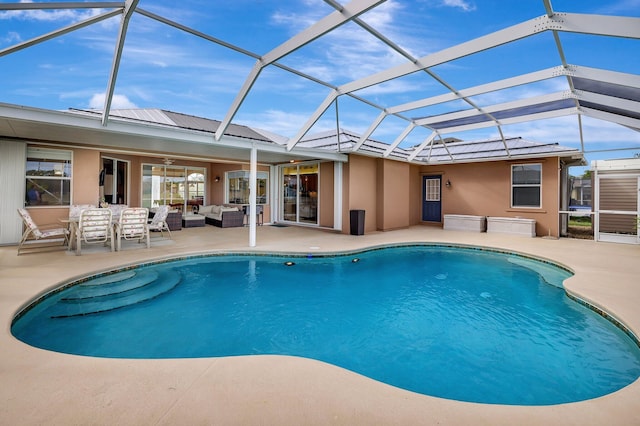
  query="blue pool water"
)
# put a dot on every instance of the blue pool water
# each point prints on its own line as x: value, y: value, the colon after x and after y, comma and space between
x: 464, y: 324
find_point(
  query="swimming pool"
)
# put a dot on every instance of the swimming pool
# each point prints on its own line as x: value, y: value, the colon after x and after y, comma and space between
x: 458, y: 323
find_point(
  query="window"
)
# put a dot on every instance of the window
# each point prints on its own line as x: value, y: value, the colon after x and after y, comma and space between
x: 526, y: 185
x: 177, y: 186
x: 237, y: 183
x: 432, y: 190
x: 48, y: 177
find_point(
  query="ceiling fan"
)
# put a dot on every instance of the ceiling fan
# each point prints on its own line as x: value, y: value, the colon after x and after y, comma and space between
x: 168, y: 161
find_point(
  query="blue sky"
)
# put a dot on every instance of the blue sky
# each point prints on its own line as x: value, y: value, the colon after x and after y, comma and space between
x: 163, y: 67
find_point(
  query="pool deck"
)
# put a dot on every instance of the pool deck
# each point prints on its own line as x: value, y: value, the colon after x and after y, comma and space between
x: 42, y: 387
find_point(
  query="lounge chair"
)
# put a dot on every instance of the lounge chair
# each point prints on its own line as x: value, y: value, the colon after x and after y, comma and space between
x: 41, y: 234
x: 159, y: 221
x: 94, y: 227
x: 132, y: 225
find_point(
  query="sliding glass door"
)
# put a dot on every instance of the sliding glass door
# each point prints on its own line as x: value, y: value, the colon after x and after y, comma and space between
x: 178, y: 186
x: 114, y: 181
x: 300, y: 193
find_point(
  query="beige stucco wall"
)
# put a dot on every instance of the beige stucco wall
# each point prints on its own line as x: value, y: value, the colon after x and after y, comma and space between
x: 326, y: 194
x: 390, y: 192
x: 86, y: 169
x: 415, y: 195
x: 360, y: 180
x: 84, y: 187
x: 485, y: 189
x: 384, y: 189
x: 393, y: 199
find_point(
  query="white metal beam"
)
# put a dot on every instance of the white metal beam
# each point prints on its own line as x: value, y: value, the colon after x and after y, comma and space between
x: 312, y: 119
x: 422, y: 146
x: 613, y: 26
x: 513, y: 120
x: 242, y: 94
x: 130, y: 6
x: 60, y: 32
x: 479, y: 44
x: 613, y: 77
x: 479, y: 90
x: 61, y: 5
x: 370, y: 130
x: 399, y: 139
x: 632, y: 123
x: 589, y: 24
x: 323, y: 26
x: 428, y: 121
x: 610, y: 101
x: 320, y: 28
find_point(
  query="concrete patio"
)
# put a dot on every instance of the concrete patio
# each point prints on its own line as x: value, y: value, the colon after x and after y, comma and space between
x: 42, y: 387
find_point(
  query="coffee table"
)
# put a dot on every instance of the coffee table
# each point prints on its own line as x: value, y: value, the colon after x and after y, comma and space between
x: 192, y: 220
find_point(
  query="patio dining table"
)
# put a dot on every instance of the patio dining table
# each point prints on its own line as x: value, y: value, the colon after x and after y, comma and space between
x: 72, y: 223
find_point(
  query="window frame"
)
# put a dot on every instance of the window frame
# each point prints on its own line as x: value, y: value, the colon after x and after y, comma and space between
x: 49, y: 155
x: 244, y: 175
x: 515, y: 186
x: 165, y: 183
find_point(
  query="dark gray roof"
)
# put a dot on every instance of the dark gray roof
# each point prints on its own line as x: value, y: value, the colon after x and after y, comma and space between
x: 183, y: 121
x: 198, y: 123
x: 447, y: 150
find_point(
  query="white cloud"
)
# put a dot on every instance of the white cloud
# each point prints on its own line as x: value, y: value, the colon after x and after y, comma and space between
x: 49, y: 15
x: 462, y: 4
x: 11, y: 37
x: 117, y: 102
x: 278, y: 121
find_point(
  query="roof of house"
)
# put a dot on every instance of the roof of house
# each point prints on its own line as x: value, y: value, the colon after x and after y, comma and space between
x: 445, y: 150
x: 183, y: 121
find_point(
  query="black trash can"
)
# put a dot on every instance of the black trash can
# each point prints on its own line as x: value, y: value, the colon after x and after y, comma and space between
x: 357, y: 222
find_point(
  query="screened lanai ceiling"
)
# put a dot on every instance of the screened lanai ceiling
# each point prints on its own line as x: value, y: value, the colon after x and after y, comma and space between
x: 413, y: 75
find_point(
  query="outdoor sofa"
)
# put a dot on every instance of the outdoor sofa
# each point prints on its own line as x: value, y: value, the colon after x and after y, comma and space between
x: 222, y: 216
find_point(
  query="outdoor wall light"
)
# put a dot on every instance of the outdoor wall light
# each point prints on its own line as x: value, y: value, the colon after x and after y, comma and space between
x: 448, y: 184
x: 217, y: 178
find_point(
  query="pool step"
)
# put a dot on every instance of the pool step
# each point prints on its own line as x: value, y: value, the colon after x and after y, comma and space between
x: 108, y: 302
x: 110, y: 278
x: 108, y: 288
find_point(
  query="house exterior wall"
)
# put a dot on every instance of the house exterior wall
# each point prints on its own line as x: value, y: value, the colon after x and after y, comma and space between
x: 415, y: 195
x: 384, y: 189
x: 484, y: 189
x: 326, y: 194
x: 390, y: 192
x: 84, y: 186
x: 87, y: 164
x: 360, y: 181
x: 393, y: 195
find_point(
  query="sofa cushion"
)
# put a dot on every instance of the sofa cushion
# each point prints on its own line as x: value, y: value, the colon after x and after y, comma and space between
x: 205, y: 209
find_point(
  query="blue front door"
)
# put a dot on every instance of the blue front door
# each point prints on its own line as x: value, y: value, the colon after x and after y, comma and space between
x: 431, y: 204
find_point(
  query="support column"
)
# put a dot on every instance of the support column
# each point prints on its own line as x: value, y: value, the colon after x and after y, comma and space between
x: 253, y: 174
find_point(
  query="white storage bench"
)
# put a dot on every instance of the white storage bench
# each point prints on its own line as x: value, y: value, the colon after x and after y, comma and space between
x: 512, y: 225
x: 465, y: 222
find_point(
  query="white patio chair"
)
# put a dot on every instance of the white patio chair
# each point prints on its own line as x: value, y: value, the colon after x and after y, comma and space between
x: 159, y: 221
x: 133, y: 225
x: 41, y: 234
x: 75, y: 209
x: 94, y: 227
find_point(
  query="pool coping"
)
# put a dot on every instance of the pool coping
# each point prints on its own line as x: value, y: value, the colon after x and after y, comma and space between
x: 299, y: 389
